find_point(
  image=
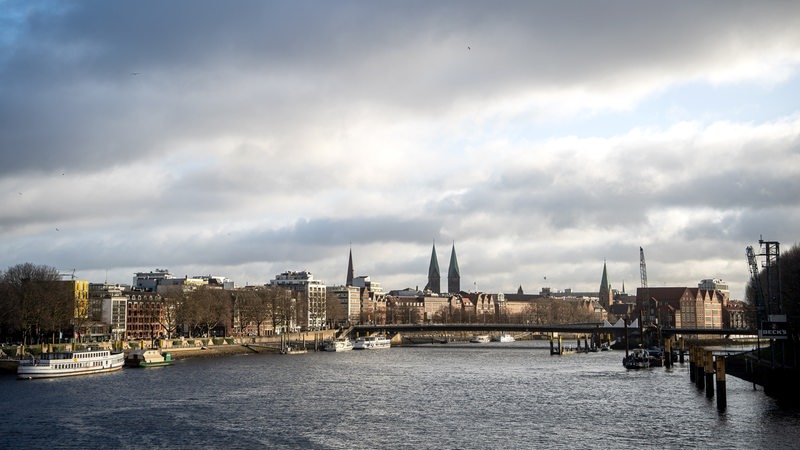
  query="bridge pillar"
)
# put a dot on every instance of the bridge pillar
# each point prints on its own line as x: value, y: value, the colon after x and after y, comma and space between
x: 708, y: 359
x: 722, y: 396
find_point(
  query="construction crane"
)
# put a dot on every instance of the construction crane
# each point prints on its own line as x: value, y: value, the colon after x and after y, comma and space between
x: 71, y: 275
x: 642, y: 267
x: 754, y: 275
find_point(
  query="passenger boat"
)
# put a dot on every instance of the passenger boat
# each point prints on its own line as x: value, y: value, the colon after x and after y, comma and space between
x: 372, y: 342
x: 506, y: 337
x: 341, y: 344
x: 65, y: 364
x: 639, y: 358
x: 148, y: 358
x: 480, y: 339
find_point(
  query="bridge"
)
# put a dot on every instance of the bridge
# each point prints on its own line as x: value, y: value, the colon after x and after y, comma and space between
x: 579, y: 328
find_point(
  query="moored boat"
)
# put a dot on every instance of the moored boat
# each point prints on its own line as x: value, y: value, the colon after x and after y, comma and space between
x: 639, y: 358
x: 506, y: 337
x: 374, y: 342
x: 341, y: 344
x: 480, y: 339
x: 148, y: 358
x: 289, y: 350
x: 71, y: 363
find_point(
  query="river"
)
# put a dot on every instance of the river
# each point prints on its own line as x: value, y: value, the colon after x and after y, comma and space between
x: 481, y: 396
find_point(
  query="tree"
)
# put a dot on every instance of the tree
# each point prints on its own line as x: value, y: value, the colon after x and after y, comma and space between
x: 254, y: 306
x: 206, y: 308
x: 31, y: 304
x: 172, y: 299
x: 335, y: 312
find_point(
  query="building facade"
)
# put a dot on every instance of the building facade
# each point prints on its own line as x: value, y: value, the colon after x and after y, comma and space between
x: 313, y: 292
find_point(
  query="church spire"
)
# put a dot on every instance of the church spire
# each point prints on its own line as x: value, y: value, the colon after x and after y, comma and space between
x: 434, y: 277
x: 605, y: 289
x: 349, y: 281
x: 453, y: 274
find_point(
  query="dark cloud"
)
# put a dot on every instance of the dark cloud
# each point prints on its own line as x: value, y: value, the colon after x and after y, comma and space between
x: 262, y: 136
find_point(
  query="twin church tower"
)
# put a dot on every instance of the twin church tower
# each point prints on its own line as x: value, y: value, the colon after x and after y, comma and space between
x: 434, y: 277
x: 453, y: 274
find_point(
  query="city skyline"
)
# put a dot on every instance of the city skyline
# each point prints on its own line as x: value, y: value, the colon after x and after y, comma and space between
x: 542, y: 139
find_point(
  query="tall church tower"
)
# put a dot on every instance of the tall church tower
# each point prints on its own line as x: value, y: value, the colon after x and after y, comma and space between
x: 434, y: 277
x: 349, y: 281
x: 453, y: 274
x: 606, y: 296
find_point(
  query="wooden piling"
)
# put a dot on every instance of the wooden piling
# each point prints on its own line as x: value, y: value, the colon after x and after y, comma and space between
x: 699, y: 377
x: 708, y: 360
x: 668, y: 352
x: 682, y: 347
x: 560, y: 348
x: 722, y: 396
x: 552, y: 350
x: 692, y: 363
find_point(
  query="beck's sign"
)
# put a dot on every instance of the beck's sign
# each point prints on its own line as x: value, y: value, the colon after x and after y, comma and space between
x: 774, y: 330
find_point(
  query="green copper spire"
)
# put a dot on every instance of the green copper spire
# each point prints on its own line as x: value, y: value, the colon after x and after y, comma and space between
x: 453, y: 274
x: 605, y: 289
x: 434, y: 277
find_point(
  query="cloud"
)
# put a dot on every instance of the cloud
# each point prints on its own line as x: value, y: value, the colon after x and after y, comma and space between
x: 541, y: 138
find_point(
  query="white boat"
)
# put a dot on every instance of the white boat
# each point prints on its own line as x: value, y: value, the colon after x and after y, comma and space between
x: 341, y: 344
x: 480, y: 339
x: 372, y: 342
x: 506, y: 337
x: 65, y: 364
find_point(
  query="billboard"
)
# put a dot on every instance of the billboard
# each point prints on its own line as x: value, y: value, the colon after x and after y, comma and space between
x: 774, y: 330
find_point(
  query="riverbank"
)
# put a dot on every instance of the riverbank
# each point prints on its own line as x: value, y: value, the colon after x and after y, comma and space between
x: 209, y: 352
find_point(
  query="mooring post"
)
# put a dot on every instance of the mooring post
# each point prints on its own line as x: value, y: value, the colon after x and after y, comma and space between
x: 708, y: 359
x: 552, y: 350
x: 668, y: 352
x: 560, y: 349
x: 692, y: 363
x: 586, y: 342
x: 681, y: 347
x: 722, y: 396
x: 699, y: 377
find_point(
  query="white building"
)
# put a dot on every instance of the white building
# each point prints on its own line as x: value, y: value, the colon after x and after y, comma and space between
x: 314, y: 291
x: 113, y: 307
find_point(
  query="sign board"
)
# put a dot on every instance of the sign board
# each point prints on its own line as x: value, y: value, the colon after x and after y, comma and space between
x: 777, y: 318
x: 774, y: 330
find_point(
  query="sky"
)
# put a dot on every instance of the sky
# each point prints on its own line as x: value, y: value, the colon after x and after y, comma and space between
x: 541, y: 139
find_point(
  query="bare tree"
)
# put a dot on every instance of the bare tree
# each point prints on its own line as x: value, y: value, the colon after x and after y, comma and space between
x: 32, y: 307
x: 254, y: 306
x: 172, y: 299
x: 206, y: 308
